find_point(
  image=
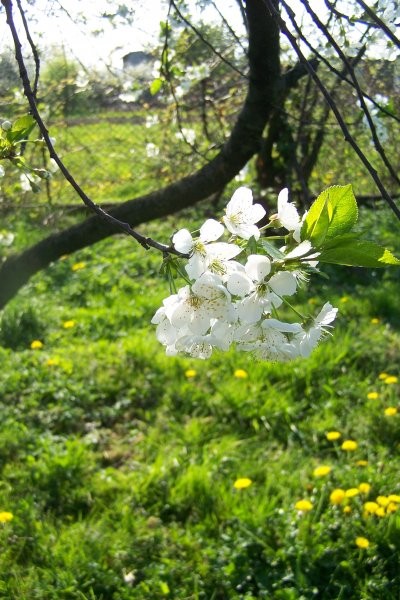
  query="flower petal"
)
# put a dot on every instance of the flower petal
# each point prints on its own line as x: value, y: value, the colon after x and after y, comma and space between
x: 211, y: 230
x: 183, y: 241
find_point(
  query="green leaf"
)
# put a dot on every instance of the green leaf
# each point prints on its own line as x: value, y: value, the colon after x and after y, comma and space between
x: 333, y: 213
x: 21, y: 128
x: 155, y: 86
x: 272, y: 251
x: 353, y: 253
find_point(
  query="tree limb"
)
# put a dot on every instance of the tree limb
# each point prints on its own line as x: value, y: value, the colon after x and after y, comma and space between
x: 264, y: 84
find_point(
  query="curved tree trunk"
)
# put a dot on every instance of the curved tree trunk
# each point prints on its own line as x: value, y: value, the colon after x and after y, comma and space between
x: 265, y: 84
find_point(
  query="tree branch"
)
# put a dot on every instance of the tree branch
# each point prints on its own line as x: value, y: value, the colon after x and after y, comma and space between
x: 244, y: 142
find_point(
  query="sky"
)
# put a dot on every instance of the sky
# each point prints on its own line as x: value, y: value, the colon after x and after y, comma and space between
x: 53, y: 27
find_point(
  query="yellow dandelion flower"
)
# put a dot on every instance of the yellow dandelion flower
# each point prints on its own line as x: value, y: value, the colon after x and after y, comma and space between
x: 375, y: 321
x: 351, y: 492
x: 242, y: 483
x: 349, y: 445
x: 391, y: 507
x: 303, y: 505
x: 240, y: 374
x: 382, y: 376
x: 390, y: 411
x: 394, y: 498
x: 382, y: 500
x: 380, y: 511
x: 372, y: 395
x: 322, y: 470
x: 391, y: 379
x: 190, y: 373
x: 344, y: 299
x: 371, y: 507
x: 362, y: 463
x: 52, y: 362
x: 337, y: 496
x: 36, y: 345
x: 333, y: 435
x: 6, y: 516
x: 362, y: 542
x: 347, y: 510
x: 364, y: 488
x: 69, y: 324
x: 78, y: 266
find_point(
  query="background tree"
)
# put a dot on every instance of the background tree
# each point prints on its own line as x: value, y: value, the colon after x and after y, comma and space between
x: 281, y: 118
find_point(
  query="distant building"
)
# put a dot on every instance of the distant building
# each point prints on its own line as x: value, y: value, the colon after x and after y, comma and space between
x: 139, y: 64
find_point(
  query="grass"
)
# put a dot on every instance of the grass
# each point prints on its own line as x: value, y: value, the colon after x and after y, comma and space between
x: 119, y: 463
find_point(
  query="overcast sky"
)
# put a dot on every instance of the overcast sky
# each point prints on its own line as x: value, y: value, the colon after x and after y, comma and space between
x: 54, y: 27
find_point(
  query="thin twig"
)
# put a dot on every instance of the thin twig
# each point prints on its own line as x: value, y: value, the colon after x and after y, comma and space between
x: 33, y: 49
x: 381, y: 24
x: 349, y: 67
x: 205, y: 41
x: 146, y: 242
x: 347, y: 135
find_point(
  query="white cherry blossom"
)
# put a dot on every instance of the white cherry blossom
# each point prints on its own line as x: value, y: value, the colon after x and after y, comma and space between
x: 288, y: 215
x: 241, y: 214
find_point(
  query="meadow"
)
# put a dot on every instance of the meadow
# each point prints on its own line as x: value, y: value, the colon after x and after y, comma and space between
x: 128, y: 475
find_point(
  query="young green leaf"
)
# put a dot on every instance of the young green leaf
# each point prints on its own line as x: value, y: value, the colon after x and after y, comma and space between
x: 155, y: 86
x: 351, y: 252
x: 333, y: 213
x: 21, y: 129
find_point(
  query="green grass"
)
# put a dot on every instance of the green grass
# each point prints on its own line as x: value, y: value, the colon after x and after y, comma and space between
x: 119, y: 469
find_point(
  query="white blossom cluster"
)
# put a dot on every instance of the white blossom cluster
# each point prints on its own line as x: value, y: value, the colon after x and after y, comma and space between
x: 233, y: 294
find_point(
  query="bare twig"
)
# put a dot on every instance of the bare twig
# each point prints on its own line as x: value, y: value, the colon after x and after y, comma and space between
x: 33, y: 49
x: 350, y: 69
x: 381, y: 24
x: 205, y: 41
x: 347, y: 135
x: 146, y: 242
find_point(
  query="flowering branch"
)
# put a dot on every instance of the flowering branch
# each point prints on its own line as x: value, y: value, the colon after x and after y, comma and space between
x: 234, y: 289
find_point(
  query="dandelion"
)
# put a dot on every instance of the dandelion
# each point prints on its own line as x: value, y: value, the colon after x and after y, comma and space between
x: 391, y: 379
x: 242, y: 483
x: 372, y: 395
x: 337, y: 496
x: 383, y: 376
x: 347, y: 510
x: 36, y: 345
x: 382, y: 500
x: 390, y: 411
x: 362, y: 463
x: 362, y: 542
x: 190, y: 373
x: 370, y: 507
x: 344, y: 299
x: 6, y: 516
x: 240, y: 374
x: 364, y: 488
x: 375, y: 321
x: 322, y: 470
x: 303, y: 505
x: 394, y: 498
x: 78, y: 266
x: 351, y: 492
x: 391, y: 507
x: 52, y: 362
x: 69, y: 324
x: 380, y: 511
x: 349, y: 445
x: 333, y: 435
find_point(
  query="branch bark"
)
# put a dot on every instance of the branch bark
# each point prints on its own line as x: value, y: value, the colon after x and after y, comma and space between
x: 263, y: 89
